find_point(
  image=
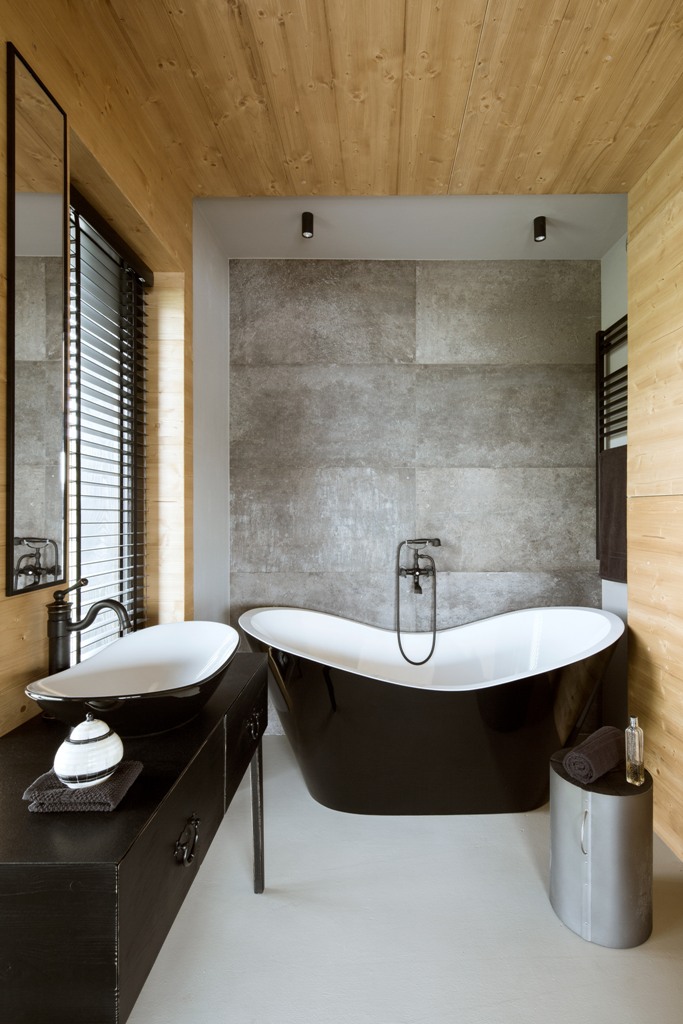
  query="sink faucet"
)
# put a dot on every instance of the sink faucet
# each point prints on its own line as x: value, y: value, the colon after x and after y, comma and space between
x: 60, y: 624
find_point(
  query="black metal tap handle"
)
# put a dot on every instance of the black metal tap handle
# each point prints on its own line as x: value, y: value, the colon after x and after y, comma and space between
x: 59, y: 595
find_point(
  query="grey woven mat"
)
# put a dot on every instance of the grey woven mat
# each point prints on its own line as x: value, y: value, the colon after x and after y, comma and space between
x: 47, y: 793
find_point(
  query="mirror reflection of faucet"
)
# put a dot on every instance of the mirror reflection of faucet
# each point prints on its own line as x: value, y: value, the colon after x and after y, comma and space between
x: 60, y: 625
x: 29, y: 567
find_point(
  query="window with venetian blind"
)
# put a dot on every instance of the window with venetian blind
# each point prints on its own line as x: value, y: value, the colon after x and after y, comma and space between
x: 106, y: 432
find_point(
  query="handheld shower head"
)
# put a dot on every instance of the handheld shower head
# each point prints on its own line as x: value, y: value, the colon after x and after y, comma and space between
x: 424, y: 542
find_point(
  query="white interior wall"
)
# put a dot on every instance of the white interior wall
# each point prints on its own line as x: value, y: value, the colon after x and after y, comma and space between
x: 211, y: 383
x: 580, y: 227
x: 613, y: 277
x: 39, y: 224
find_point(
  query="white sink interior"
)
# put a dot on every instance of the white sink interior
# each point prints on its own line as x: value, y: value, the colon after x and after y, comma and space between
x: 158, y: 658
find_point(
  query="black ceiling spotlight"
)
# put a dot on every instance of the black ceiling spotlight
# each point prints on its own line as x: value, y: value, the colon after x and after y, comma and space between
x: 539, y: 229
x: 307, y: 225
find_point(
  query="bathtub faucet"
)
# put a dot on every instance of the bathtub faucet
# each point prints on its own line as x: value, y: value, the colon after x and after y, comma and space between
x: 421, y: 565
x: 417, y: 571
x: 60, y: 624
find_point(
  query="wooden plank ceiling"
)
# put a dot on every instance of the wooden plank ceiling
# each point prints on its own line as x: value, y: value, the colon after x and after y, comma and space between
x: 402, y: 97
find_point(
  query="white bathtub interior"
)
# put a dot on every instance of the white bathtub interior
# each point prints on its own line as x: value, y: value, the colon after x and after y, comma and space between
x: 478, y: 654
x: 163, y: 657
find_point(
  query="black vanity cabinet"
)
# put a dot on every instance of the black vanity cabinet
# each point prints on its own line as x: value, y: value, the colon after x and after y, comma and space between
x: 87, y: 899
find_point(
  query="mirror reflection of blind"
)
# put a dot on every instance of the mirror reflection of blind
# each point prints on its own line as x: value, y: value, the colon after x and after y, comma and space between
x: 106, y: 433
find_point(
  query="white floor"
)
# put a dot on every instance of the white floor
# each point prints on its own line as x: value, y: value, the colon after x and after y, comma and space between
x: 374, y: 920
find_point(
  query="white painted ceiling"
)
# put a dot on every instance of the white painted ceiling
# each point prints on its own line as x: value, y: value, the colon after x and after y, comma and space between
x: 580, y: 227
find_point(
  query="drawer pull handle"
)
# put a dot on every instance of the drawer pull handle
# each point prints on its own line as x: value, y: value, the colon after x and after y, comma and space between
x: 583, y: 833
x: 254, y: 725
x: 186, y: 844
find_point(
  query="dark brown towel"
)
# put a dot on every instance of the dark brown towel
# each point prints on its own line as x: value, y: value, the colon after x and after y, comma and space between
x: 47, y: 793
x: 612, y: 505
x: 602, y: 751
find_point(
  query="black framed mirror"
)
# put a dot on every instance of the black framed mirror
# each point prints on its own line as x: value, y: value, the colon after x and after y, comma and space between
x: 37, y: 321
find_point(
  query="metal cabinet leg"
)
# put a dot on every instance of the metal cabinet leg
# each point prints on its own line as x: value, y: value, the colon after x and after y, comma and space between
x: 257, y: 817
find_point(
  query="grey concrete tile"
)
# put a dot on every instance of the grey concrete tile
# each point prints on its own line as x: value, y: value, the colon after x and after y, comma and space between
x: 322, y: 311
x: 319, y: 519
x: 510, y: 519
x: 505, y: 415
x: 30, y: 314
x: 54, y: 303
x: 30, y: 514
x: 506, y: 312
x: 314, y: 416
x: 31, y: 381
x: 360, y: 595
x: 470, y: 596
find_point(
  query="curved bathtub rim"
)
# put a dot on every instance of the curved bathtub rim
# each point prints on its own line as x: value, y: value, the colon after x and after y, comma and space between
x: 616, y: 630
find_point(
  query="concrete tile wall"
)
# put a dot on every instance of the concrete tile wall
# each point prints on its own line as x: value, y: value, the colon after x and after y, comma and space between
x: 373, y: 401
x: 39, y: 378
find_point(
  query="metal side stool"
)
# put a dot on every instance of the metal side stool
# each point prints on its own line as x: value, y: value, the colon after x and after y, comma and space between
x: 601, y: 857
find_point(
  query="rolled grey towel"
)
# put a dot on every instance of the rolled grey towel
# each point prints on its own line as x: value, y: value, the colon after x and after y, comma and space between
x: 599, y: 753
x: 47, y: 793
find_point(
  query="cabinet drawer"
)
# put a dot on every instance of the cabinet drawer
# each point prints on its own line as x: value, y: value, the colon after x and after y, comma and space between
x: 152, y: 881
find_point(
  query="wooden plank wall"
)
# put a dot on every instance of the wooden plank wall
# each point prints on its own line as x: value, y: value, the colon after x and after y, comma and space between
x: 117, y: 166
x: 655, y: 479
x: 169, y: 384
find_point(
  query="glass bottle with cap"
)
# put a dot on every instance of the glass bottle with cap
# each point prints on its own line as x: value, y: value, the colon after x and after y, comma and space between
x: 635, y: 768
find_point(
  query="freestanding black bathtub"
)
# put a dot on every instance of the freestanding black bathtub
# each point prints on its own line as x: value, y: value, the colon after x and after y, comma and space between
x: 469, y: 732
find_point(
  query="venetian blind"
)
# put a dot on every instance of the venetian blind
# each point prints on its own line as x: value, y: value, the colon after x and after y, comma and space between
x: 106, y: 433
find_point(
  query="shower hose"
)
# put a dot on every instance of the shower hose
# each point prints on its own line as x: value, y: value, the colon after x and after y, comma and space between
x: 427, y: 558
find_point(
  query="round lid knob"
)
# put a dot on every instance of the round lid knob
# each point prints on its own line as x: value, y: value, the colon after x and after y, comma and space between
x: 90, y: 729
